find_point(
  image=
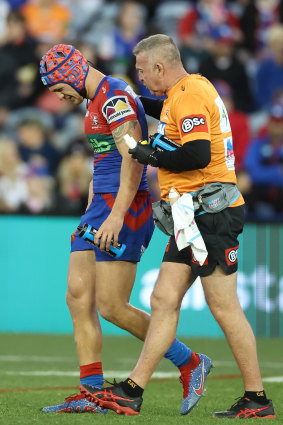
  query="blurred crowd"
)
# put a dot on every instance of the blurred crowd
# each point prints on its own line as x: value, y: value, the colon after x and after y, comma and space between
x: 45, y: 161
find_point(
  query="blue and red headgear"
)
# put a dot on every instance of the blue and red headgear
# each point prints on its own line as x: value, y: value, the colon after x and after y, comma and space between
x: 64, y: 64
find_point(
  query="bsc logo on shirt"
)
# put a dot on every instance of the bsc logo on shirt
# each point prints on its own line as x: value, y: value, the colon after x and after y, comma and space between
x: 193, y: 123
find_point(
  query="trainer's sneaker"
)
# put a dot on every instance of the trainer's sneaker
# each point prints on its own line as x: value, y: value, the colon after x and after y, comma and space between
x: 193, y: 381
x: 245, y: 408
x: 75, y: 403
x: 113, y: 398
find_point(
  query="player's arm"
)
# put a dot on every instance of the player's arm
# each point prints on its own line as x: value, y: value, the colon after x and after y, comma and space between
x: 130, y: 177
x: 90, y: 194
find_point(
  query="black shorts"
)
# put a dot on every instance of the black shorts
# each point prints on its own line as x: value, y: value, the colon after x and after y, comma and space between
x: 220, y: 234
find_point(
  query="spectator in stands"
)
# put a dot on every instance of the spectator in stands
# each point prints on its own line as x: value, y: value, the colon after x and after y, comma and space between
x: 85, y: 14
x: 222, y: 64
x: 19, y: 76
x: 269, y: 76
x: 47, y: 19
x: 40, y: 193
x: 4, y: 10
x: 13, y: 185
x: 35, y: 147
x: 239, y: 122
x: 257, y: 17
x: 74, y: 174
x: 264, y: 162
x: 115, y: 48
x: 195, y: 27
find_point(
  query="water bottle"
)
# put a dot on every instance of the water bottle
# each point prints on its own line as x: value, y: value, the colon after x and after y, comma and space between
x: 162, y: 143
x: 87, y: 232
x: 157, y: 141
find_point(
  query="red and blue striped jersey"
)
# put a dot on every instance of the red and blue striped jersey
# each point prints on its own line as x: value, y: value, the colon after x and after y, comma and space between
x: 113, y: 104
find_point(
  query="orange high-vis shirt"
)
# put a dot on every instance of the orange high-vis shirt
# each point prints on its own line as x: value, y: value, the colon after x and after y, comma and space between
x: 193, y: 110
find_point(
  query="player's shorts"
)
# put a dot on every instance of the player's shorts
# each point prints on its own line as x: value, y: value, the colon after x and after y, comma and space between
x: 219, y: 232
x: 135, y: 233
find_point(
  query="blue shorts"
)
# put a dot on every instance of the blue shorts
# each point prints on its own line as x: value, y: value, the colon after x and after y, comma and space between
x: 135, y: 233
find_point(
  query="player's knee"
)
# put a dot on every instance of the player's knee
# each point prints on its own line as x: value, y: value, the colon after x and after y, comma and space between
x: 77, y: 292
x: 113, y: 311
x: 108, y: 310
x: 221, y: 311
x: 160, y: 301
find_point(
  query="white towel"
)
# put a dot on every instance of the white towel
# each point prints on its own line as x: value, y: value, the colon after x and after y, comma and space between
x: 185, y: 228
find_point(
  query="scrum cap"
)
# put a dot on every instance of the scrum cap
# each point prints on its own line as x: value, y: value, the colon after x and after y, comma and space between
x: 64, y: 64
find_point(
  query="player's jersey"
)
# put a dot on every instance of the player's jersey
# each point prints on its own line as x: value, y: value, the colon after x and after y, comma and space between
x: 113, y: 104
x: 193, y: 110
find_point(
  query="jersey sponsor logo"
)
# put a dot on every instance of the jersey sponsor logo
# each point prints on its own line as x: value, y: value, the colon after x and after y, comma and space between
x: 161, y: 128
x: 229, y: 153
x: 94, y: 120
x: 193, y: 124
x: 231, y: 255
x: 224, y: 120
x: 116, y: 108
x: 101, y: 143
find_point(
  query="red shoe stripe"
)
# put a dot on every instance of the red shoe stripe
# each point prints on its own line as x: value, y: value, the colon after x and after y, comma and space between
x: 248, y: 413
x: 105, y: 403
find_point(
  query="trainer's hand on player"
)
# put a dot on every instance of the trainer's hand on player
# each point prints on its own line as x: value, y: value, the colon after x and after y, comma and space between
x: 144, y: 153
x: 108, y: 232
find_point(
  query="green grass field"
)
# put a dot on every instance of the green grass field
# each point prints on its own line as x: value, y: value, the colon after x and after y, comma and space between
x: 40, y: 370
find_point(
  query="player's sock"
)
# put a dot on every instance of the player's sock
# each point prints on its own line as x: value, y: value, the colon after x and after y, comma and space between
x: 192, y: 363
x: 178, y: 353
x: 257, y: 396
x: 92, y: 374
x: 131, y: 388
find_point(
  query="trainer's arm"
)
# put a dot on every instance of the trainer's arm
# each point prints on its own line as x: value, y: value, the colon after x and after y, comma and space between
x: 130, y: 177
x: 192, y: 155
x: 152, y: 107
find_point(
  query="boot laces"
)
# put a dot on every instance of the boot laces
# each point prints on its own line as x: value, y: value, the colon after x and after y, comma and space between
x: 74, y: 397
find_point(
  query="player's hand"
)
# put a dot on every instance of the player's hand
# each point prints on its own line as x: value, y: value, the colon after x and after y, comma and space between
x: 108, y: 232
x: 144, y: 153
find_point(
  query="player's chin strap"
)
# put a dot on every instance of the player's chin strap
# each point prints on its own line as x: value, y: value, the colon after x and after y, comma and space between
x: 82, y: 93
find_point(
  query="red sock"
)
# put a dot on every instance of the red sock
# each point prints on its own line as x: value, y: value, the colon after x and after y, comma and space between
x: 92, y: 374
x: 193, y: 363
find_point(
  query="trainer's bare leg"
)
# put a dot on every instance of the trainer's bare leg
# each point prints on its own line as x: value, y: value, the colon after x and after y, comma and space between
x: 81, y: 302
x: 221, y: 296
x: 114, y: 284
x: 173, y: 282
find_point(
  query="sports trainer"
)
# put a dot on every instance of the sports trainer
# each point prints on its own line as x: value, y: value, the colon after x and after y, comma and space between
x: 194, y: 116
x: 120, y: 208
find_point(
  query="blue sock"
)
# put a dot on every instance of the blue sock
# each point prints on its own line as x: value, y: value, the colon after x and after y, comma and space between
x: 94, y: 380
x: 178, y: 353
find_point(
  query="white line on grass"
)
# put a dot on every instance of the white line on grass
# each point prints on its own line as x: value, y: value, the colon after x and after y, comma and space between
x: 16, y: 358
x: 43, y: 359
x: 273, y: 379
x: 107, y: 374
x: 116, y: 374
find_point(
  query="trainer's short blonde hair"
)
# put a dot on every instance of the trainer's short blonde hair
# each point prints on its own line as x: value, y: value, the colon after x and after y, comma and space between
x: 159, y: 46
